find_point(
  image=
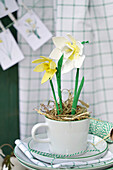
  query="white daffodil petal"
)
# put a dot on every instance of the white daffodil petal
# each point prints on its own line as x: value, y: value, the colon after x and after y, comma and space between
x: 59, y: 42
x: 78, y: 43
x: 78, y: 62
x: 56, y: 54
x: 71, y: 38
x: 68, y: 66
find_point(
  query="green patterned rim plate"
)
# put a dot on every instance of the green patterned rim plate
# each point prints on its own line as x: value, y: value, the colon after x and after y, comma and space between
x: 41, y: 151
x: 28, y: 164
x: 102, y: 167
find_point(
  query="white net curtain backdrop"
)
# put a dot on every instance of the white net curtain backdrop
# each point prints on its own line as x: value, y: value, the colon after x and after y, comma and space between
x: 90, y: 20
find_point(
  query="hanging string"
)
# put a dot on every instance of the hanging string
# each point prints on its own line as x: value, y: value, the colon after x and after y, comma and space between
x: 11, y: 16
x: 25, y: 7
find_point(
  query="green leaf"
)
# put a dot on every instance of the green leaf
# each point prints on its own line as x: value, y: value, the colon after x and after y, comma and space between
x: 80, y: 88
x: 60, y: 62
x: 52, y: 87
x: 58, y: 76
x: 77, y: 96
x: 75, y: 91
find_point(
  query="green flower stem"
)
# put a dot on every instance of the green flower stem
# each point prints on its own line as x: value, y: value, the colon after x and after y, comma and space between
x: 52, y: 87
x: 77, y: 95
x: 75, y: 92
x: 58, y: 77
x: 79, y: 89
x: 59, y: 90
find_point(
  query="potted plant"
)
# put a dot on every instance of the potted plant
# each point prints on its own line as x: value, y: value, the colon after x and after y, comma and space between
x: 67, y: 122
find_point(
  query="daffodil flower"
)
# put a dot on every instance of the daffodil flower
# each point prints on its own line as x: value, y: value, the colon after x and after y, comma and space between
x: 72, y: 51
x: 47, y: 65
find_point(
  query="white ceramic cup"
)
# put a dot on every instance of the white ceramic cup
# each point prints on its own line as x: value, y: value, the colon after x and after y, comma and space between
x: 64, y: 137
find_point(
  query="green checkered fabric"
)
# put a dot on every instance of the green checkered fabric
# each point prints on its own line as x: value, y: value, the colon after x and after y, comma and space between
x: 90, y: 20
x: 31, y: 92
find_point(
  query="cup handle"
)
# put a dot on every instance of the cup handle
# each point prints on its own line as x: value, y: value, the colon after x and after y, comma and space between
x: 33, y: 131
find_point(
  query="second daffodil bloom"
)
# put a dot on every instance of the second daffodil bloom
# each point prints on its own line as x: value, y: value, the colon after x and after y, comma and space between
x: 72, y: 51
x: 47, y: 65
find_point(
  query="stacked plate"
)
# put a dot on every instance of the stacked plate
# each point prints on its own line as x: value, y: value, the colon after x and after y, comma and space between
x: 96, y: 156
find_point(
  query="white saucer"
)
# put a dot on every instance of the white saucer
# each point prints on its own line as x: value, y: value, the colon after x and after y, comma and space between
x: 41, y: 151
x: 104, y: 163
x: 25, y: 161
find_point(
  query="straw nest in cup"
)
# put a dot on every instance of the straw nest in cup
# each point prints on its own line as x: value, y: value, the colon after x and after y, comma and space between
x: 50, y: 111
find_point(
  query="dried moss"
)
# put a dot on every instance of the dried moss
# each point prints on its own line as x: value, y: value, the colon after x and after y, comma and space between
x: 51, y: 112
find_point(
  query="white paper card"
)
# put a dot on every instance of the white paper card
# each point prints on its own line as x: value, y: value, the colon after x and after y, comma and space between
x: 7, y: 6
x: 10, y: 52
x: 33, y: 30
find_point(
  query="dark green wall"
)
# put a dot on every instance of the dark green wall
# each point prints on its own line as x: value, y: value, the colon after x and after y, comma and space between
x: 9, y: 112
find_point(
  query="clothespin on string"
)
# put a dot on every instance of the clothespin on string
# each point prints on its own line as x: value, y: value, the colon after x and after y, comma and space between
x: 2, y: 26
x: 11, y: 16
